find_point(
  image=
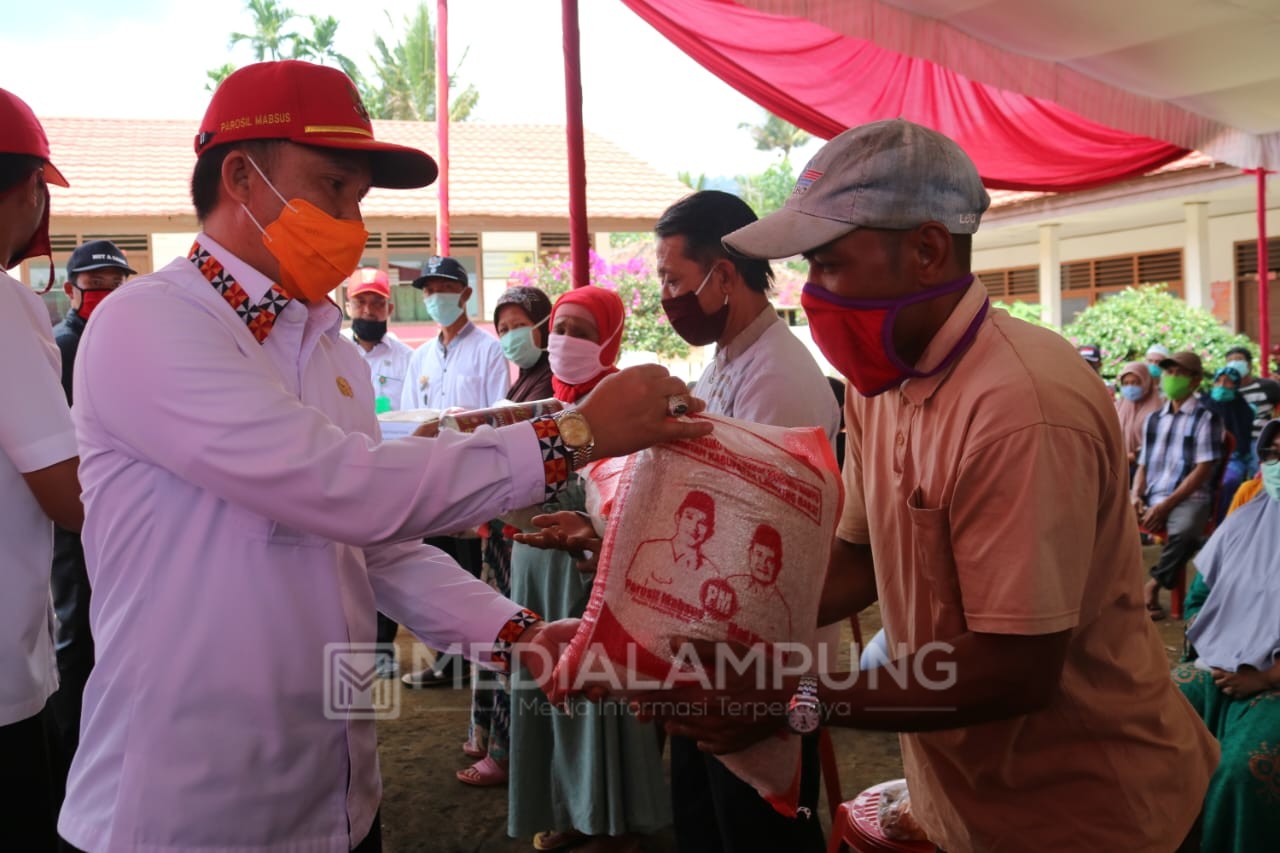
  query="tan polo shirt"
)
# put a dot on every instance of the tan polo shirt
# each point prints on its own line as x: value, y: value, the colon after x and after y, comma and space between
x: 994, y: 497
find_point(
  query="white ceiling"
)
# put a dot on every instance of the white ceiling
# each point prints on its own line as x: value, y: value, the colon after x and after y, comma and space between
x: 1203, y: 74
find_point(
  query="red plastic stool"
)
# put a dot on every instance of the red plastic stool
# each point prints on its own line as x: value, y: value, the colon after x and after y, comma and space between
x: 857, y: 826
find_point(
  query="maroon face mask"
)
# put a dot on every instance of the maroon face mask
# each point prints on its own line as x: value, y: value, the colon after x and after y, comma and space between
x: 690, y: 321
x: 39, y: 244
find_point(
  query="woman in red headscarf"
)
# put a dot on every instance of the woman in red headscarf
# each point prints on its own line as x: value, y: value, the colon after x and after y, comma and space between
x: 586, y: 337
x: 597, y: 772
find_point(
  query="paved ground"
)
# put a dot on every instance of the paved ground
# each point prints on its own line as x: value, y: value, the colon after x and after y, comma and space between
x: 426, y: 809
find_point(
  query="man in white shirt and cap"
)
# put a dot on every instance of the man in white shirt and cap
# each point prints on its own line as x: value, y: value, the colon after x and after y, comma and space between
x: 38, y: 461
x: 245, y: 517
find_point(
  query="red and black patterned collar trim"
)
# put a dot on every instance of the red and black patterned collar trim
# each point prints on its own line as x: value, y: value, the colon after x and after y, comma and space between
x: 260, y: 318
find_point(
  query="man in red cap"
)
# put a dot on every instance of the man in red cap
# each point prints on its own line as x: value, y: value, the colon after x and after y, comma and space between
x: 37, y: 484
x: 240, y: 519
x: 369, y: 306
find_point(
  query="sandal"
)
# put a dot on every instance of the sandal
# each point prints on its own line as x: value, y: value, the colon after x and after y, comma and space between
x: 471, y: 749
x: 552, y: 840
x: 485, y: 773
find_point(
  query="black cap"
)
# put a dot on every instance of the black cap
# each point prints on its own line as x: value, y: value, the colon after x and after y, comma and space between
x: 1091, y: 353
x: 97, y: 255
x: 441, y: 266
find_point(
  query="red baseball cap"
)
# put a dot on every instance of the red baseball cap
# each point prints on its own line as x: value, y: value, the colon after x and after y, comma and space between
x: 368, y: 279
x: 311, y: 105
x: 22, y: 133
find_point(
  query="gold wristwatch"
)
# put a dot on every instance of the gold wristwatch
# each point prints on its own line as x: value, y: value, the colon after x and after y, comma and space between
x: 575, y: 432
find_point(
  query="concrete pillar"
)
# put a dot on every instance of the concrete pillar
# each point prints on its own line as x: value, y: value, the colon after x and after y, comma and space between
x: 1050, y: 275
x: 1195, y: 257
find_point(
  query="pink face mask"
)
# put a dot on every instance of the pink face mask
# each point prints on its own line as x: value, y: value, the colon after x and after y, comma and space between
x: 577, y: 360
x: 856, y: 335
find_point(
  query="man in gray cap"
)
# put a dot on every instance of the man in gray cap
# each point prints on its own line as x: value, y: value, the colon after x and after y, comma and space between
x: 987, y: 511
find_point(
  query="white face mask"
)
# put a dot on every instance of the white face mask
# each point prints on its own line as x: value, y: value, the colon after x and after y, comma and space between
x: 576, y: 360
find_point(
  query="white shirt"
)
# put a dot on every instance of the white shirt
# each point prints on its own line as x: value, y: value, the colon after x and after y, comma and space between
x: 766, y: 375
x: 388, y: 362
x: 238, y: 522
x: 35, y: 432
x: 470, y: 373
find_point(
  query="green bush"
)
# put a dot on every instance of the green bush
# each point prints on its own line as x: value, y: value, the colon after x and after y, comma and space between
x: 1028, y: 311
x: 1127, y: 324
x: 646, y: 326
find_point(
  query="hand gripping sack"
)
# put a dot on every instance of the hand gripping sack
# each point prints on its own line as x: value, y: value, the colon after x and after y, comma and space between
x: 724, y: 537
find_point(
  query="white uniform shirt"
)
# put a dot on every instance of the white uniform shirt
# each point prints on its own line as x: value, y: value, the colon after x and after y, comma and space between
x: 238, y: 520
x: 35, y: 432
x: 471, y: 373
x: 766, y: 375
x: 388, y: 362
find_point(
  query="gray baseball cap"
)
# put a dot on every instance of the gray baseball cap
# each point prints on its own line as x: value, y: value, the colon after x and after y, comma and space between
x: 888, y: 174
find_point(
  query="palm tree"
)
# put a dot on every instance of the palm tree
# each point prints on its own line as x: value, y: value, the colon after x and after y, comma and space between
x: 269, y: 38
x: 776, y: 134
x: 697, y: 184
x: 403, y: 84
x: 217, y: 75
x: 319, y: 46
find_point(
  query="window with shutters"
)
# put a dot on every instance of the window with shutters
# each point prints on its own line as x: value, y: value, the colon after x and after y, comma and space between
x: 1086, y: 282
x: 1245, y: 254
x: 1015, y: 284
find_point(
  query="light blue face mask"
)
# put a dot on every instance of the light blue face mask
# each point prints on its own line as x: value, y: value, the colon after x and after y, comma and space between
x: 1132, y: 393
x: 1271, y: 479
x: 1154, y: 370
x: 1241, y: 367
x: 444, y: 307
x: 519, y: 348
x: 1222, y: 394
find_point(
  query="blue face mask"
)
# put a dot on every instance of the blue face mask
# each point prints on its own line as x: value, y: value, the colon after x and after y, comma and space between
x: 1154, y: 370
x: 1132, y: 393
x: 1222, y: 395
x: 1241, y: 367
x: 1271, y: 479
x: 519, y: 348
x: 444, y: 307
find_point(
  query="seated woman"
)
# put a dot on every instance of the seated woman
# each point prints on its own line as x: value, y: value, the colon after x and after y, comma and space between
x: 592, y: 778
x: 1237, y: 417
x: 1138, y: 398
x: 1235, y: 683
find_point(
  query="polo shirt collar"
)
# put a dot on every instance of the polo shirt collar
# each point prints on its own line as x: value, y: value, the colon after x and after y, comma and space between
x: 748, y: 336
x: 920, y: 389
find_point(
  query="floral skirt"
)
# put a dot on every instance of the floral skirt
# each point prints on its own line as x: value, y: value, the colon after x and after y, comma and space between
x: 1242, y: 805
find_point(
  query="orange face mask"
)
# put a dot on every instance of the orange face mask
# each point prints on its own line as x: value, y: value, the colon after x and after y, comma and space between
x: 316, y: 251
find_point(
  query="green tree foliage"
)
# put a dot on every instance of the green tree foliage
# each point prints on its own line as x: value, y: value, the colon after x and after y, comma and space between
x: 1028, y: 311
x: 273, y: 37
x: 697, y: 184
x: 646, y: 327
x: 776, y: 135
x: 769, y: 190
x: 403, y: 83
x: 1126, y: 325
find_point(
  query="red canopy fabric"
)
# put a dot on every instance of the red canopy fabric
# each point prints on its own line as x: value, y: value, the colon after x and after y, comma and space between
x: 825, y: 82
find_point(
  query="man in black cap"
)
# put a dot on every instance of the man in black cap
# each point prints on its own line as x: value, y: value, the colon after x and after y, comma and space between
x: 95, y: 270
x: 463, y: 368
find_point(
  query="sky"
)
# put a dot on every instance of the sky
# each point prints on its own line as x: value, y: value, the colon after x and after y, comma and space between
x: 148, y: 58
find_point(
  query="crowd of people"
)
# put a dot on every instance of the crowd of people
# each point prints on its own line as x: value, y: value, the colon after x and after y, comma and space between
x: 198, y: 476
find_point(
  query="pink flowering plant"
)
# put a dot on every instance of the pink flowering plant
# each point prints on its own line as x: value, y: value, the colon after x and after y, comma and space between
x: 633, y: 280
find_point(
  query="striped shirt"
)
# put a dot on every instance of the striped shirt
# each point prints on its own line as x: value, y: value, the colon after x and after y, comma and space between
x: 1174, y: 443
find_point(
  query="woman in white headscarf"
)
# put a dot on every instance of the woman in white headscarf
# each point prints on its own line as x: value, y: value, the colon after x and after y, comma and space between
x: 1234, y: 684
